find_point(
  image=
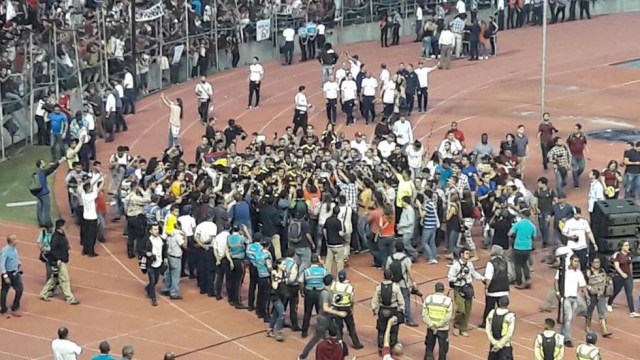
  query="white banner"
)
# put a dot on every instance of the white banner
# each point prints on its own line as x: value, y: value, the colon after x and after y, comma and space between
x: 151, y: 13
x: 263, y: 30
x: 177, y: 54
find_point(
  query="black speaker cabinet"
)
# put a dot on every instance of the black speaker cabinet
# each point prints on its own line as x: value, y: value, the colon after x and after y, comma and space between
x: 616, y: 212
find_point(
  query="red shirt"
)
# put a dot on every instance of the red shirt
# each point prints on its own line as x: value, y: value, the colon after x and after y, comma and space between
x: 624, y: 261
x: 577, y: 145
x: 331, y: 349
x: 610, y: 178
x: 546, y: 131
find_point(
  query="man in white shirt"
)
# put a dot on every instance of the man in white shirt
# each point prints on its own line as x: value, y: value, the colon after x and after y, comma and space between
x: 349, y: 91
x: 121, y: 123
x: 256, y: 73
x: 423, y: 83
x: 203, y: 238
x: 454, y: 145
x: 64, y: 349
x: 388, y: 95
x: 403, y: 131
x: 369, y: 86
x: 418, y: 23
x: 574, y: 286
x: 355, y: 64
x: 331, y: 91
x: 360, y: 143
x: 224, y: 263
x: 300, y: 116
x: 577, y: 230
x: 176, y: 244
x: 385, y: 76
x: 188, y: 226
x: 415, y: 156
x: 129, y: 92
x: 289, y: 35
x: 89, y: 224
x: 387, y: 146
x: 596, y: 190
x: 446, y: 41
x: 320, y: 38
x: 204, y: 92
x: 110, y: 117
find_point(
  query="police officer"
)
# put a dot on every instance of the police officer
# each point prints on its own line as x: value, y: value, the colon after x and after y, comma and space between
x: 237, y: 243
x: 500, y: 326
x: 588, y: 350
x: 549, y: 345
x: 292, y: 288
x: 342, y: 300
x: 303, y: 39
x: 312, y: 282
x: 261, y: 262
x: 437, y: 311
x: 386, y: 303
x: 461, y: 275
x: 252, y: 250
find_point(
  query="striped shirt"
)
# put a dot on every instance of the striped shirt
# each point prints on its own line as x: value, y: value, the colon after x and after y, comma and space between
x: 560, y: 157
x: 430, y: 220
x: 457, y: 26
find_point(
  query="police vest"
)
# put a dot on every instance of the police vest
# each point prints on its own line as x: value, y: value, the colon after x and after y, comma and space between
x: 252, y: 250
x: 341, y: 295
x: 261, y: 264
x: 587, y: 352
x: 438, y: 307
x: 236, y: 246
x: 314, y: 277
x: 290, y: 266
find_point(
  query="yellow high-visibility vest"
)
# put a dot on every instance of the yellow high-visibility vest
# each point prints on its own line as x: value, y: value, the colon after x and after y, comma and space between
x: 438, y: 307
x: 587, y: 352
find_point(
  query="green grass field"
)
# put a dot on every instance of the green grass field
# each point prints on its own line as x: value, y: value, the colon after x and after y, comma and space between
x: 15, y: 178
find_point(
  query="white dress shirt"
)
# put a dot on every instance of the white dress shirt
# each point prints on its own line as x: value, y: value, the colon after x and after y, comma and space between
x: 461, y: 7
x: 403, y: 132
x: 289, y: 34
x: 596, y: 193
x: 63, y: 349
x: 419, y: 13
x: 423, y: 76
x: 204, y: 91
x: 220, y: 244
x: 128, y: 80
x: 355, y: 67
x: 156, y: 250
x: 321, y: 28
x: 340, y: 74
x: 573, y: 281
x: 301, y: 102
x: 330, y: 89
x: 349, y: 90
x: 369, y: 86
x: 91, y: 121
x: 188, y: 224
x: 89, y: 205
x: 206, y: 231
x: 386, y: 147
x: 389, y: 93
x: 256, y: 72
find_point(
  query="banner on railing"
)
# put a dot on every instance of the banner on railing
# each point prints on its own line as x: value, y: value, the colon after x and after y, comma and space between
x: 151, y: 13
x: 177, y: 54
x: 263, y: 30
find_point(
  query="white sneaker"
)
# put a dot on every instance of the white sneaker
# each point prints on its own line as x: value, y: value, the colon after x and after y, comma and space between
x: 432, y: 262
x: 634, y: 315
x: 609, y: 308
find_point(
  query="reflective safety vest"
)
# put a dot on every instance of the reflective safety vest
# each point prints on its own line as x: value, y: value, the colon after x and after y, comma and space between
x: 261, y: 263
x: 252, y: 250
x: 438, y: 307
x: 237, y: 246
x: 341, y: 295
x: 291, y: 271
x: 587, y: 352
x: 314, y: 277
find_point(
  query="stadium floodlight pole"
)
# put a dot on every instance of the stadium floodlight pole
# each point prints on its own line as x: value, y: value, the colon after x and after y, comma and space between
x: 134, y: 40
x: 186, y: 46
x: 543, y: 75
x: 214, y: 10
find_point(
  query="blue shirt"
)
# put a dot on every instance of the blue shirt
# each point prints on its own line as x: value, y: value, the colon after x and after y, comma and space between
x: 470, y: 171
x: 312, y: 28
x: 9, y: 261
x: 524, y: 231
x: 102, y: 357
x: 58, y: 120
x: 241, y: 214
x: 302, y: 32
x: 445, y: 174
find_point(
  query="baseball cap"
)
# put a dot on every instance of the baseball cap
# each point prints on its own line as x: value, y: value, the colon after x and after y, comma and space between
x: 591, y: 337
x: 342, y: 275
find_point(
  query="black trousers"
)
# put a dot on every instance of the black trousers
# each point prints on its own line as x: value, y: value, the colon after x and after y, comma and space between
x: 411, y: 98
x: 381, y: 326
x: 288, y: 52
x: 368, y: 109
x: 490, y: 303
x: 303, y: 49
x: 474, y: 51
x: 387, y: 110
x: 109, y: 126
x: 395, y: 34
x: 203, y: 110
x: 559, y: 9
x: 584, y: 9
x: 223, y: 270
x: 254, y: 88
x: 88, y: 236
x: 506, y: 353
x: 121, y: 122
x: 423, y: 99
x: 264, y: 287
x: 311, y: 48
x: 347, y: 107
x: 572, y: 10
x: 233, y: 282
x: 384, y: 40
x: 442, y: 337
x: 311, y: 301
x: 545, y: 151
x: 300, y: 121
x: 205, y: 268
x: 291, y: 301
x: 42, y: 137
x: 332, y: 113
x: 18, y: 287
x: 135, y: 235
x: 253, y: 286
x: 511, y: 18
x: 130, y: 96
x: 235, y: 58
x: 320, y: 40
x: 351, y: 327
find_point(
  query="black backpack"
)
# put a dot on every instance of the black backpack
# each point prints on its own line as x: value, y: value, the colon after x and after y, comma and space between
x: 397, y: 274
x: 386, y: 294
x: 295, y: 231
x: 548, y: 346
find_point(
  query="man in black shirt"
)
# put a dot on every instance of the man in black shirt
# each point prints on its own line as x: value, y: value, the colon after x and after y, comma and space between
x: 544, y: 196
x: 474, y: 37
x: 270, y: 225
x: 411, y: 86
x: 58, y: 257
x: 334, y: 235
x: 632, y: 172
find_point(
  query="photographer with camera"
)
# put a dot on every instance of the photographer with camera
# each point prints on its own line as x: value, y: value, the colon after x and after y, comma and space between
x: 58, y: 258
x: 387, y: 303
x: 400, y: 266
x: 461, y: 275
x: 232, y: 132
x: 437, y: 310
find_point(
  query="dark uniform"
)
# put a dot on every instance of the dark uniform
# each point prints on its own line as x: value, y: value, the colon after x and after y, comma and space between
x: 312, y: 280
x: 292, y: 290
x: 387, y: 302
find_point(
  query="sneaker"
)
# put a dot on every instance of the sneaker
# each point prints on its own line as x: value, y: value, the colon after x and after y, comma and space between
x: 432, y: 262
x: 358, y: 346
x: 634, y: 315
x: 609, y: 308
x: 72, y: 302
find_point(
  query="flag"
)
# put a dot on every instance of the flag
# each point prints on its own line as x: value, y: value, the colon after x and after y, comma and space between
x: 11, y: 11
x: 217, y: 158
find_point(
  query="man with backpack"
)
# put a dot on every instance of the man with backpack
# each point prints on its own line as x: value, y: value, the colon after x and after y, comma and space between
x: 500, y: 327
x: 400, y: 266
x: 342, y: 299
x: 334, y: 237
x: 313, y: 285
x: 549, y: 345
x: 387, y: 303
x: 292, y: 284
x: 300, y: 240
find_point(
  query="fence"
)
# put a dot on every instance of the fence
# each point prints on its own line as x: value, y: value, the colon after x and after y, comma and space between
x: 174, y: 46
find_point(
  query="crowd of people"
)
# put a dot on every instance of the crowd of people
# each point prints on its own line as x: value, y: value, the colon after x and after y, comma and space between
x: 292, y: 210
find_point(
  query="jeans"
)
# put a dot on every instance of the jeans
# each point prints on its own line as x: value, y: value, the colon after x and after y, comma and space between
x: 543, y: 225
x: 364, y: 230
x: 599, y: 303
x: 426, y: 46
x: 406, y: 295
x: 303, y: 258
x: 429, y: 243
x: 171, y: 279
x: 631, y: 186
x: 43, y: 209
x: 618, y: 284
x: 57, y: 147
x: 327, y: 70
x: 570, y: 305
x: 386, y: 246
x: 577, y: 168
x: 454, y: 236
x: 324, y: 324
x: 277, y: 315
x: 561, y: 182
x: 442, y: 336
x: 16, y: 284
x: 154, y: 276
x: 408, y: 246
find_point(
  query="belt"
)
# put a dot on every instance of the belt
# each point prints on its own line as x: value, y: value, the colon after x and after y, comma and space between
x: 175, y: 257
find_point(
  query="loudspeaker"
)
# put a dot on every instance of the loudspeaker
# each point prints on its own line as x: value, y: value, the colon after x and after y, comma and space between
x: 615, y: 218
x: 612, y: 244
